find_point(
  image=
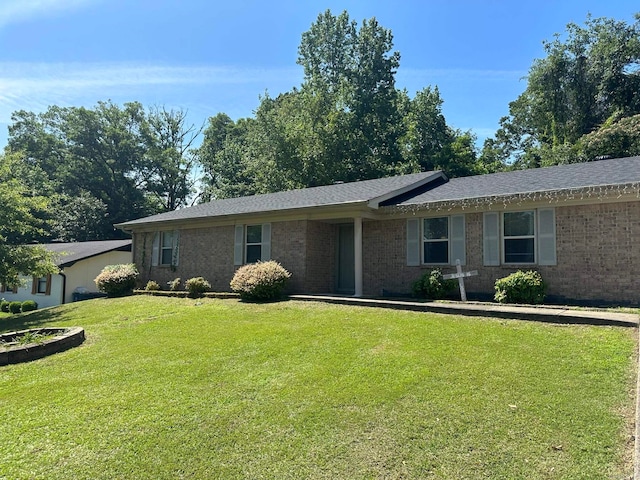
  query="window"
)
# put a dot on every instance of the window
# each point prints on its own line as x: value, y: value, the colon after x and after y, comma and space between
x: 524, y: 237
x: 41, y: 285
x: 252, y: 243
x: 435, y: 240
x: 519, y: 237
x: 165, y: 248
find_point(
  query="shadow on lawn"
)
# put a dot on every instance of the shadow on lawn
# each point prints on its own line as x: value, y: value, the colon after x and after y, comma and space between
x: 38, y: 318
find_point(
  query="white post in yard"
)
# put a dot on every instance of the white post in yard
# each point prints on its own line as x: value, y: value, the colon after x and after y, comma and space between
x: 460, y: 276
x: 357, y: 250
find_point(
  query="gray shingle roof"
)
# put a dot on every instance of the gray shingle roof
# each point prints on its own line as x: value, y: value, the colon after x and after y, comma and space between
x: 72, y: 252
x: 425, y: 189
x: 618, y: 171
x: 329, y: 195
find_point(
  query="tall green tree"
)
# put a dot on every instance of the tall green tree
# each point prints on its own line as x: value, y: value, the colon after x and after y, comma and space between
x: 346, y: 122
x: 21, y: 221
x: 588, y: 75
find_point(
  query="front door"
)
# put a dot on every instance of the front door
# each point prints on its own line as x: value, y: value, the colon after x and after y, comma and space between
x: 346, y: 258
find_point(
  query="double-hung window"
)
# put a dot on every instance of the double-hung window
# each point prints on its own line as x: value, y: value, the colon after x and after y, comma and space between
x: 41, y: 285
x: 520, y: 237
x: 252, y: 243
x: 165, y: 248
x: 436, y: 240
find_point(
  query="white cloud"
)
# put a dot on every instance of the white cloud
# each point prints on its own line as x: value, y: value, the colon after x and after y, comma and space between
x: 207, y: 89
x: 12, y: 11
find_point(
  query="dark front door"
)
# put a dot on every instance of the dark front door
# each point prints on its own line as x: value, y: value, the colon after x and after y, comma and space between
x: 346, y: 258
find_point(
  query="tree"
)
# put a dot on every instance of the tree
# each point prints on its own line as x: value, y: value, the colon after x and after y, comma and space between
x: 169, y: 162
x: 20, y: 222
x: 99, y: 152
x: 588, y: 76
x: 346, y: 122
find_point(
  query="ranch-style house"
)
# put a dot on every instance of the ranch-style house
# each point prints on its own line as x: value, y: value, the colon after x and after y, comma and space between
x: 576, y: 224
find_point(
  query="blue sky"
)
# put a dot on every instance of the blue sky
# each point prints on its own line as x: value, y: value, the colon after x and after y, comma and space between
x: 208, y: 56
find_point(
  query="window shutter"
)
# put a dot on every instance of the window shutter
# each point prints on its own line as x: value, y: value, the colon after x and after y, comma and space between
x: 34, y: 285
x: 491, y: 238
x: 266, y: 242
x: 413, y: 242
x: 48, y: 287
x: 155, y: 250
x: 238, y: 246
x: 175, y: 248
x: 458, y: 246
x: 547, y: 236
x: 15, y: 287
x: 3, y: 288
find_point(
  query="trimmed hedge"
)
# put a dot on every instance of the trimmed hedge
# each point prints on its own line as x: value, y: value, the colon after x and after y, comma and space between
x: 117, y: 280
x: 15, y: 307
x: 261, y: 281
x: 197, y: 286
x: 431, y: 285
x: 29, y: 306
x: 521, y: 287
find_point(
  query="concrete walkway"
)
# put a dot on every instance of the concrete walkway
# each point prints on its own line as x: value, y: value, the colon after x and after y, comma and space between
x: 480, y: 309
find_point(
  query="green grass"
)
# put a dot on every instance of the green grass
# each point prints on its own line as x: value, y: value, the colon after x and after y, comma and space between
x: 167, y: 388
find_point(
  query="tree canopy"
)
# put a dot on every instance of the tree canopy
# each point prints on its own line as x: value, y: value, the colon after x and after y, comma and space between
x: 21, y: 219
x: 588, y: 82
x: 346, y: 122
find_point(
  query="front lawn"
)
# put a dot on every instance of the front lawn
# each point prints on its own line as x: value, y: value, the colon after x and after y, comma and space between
x: 167, y: 388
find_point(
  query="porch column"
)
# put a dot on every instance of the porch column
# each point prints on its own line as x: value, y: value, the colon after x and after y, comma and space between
x: 357, y: 250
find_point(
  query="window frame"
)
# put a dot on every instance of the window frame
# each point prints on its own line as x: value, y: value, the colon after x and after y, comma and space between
x: 424, y: 240
x: 504, y: 238
x: 248, y: 244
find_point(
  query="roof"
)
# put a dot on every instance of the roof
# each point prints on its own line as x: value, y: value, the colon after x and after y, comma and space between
x: 73, y: 252
x: 418, y: 189
x: 620, y: 171
x: 366, y: 191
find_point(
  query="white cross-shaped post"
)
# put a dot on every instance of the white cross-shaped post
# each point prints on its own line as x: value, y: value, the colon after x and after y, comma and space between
x: 460, y: 276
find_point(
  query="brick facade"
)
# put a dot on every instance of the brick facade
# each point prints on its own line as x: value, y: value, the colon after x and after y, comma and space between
x: 596, y: 246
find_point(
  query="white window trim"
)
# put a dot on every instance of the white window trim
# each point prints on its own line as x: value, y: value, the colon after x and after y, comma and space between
x: 456, y: 240
x: 241, y: 244
x: 438, y: 240
x: 545, y: 240
x: 504, y: 237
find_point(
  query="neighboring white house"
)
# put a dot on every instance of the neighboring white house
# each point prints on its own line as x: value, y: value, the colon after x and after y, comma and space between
x: 79, y: 264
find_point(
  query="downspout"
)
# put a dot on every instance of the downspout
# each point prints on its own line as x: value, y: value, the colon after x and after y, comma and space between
x: 64, y: 286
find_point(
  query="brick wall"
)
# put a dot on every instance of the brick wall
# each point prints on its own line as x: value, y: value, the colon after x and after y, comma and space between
x: 321, y: 257
x: 597, y: 246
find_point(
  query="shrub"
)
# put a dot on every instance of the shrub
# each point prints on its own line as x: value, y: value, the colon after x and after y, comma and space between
x: 521, y: 287
x: 15, y: 307
x: 117, y: 280
x: 260, y: 281
x: 431, y: 285
x: 4, y: 306
x: 152, y: 286
x: 197, y: 286
x: 174, y: 285
x: 29, y: 306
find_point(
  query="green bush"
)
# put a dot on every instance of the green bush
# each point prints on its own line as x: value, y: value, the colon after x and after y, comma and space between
x: 261, y: 281
x: 152, y: 286
x: 15, y: 307
x: 4, y: 306
x: 197, y: 286
x: 431, y: 285
x: 521, y: 287
x: 117, y: 280
x: 174, y: 285
x: 29, y: 306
